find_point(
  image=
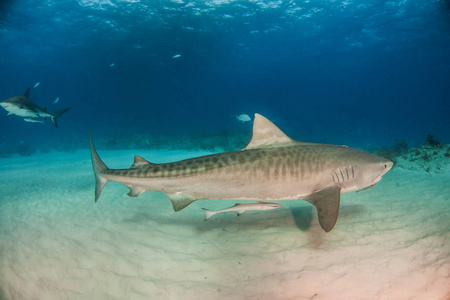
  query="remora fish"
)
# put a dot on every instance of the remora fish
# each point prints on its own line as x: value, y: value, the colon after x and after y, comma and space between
x: 272, y: 167
x: 240, y: 208
x: 31, y: 120
x: 23, y: 106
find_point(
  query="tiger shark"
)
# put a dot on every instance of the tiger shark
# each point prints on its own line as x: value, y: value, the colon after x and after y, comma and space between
x: 272, y: 167
x: 23, y: 106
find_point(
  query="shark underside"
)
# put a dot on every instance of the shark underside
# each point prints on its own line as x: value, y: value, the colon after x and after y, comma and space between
x: 272, y: 167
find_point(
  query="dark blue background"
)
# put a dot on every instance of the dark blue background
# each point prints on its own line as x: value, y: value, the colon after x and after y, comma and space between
x: 361, y: 73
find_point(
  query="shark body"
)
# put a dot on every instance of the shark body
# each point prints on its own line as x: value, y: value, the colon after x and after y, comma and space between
x: 272, y: 167
x: 23, y: 106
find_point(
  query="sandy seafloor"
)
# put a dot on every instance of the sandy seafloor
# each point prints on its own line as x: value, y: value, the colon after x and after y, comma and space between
x: 390, y: 242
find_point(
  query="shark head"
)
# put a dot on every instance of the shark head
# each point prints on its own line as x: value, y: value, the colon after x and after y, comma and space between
x: 377, y: 168
x: 5, y: 105
x: 362, y: 171
x: 17, y: 106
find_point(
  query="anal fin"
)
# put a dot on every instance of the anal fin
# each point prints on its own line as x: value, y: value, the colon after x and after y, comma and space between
x: 180, y: 200
x: 326, y: 202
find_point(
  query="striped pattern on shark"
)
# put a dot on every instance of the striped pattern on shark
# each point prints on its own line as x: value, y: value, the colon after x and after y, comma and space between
x: 272, y: 167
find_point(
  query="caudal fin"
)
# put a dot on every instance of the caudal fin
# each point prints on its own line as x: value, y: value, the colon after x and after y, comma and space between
x: 57, y: 114
x: 209, y: 213
x: 99, y: 169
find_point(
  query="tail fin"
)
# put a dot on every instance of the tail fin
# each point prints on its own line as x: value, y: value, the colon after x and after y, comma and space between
x: 57, y: 114
x: 99, y: 170
x: 209, y: 213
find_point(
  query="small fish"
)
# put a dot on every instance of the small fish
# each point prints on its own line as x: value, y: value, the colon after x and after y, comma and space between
x: 176, y: 56
x: 111, y: 65
x: 56, y: 101
x: 31, y: 120
x: 243, y: 118
x: 240, y: 208
x: 36, y: 85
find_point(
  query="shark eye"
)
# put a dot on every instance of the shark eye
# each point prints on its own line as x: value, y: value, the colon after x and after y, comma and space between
x: 385, y: 166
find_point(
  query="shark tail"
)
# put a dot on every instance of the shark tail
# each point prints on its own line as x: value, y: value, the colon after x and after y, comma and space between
x: 57, y: 114
x: 99, y: 170
x: 208, y: 213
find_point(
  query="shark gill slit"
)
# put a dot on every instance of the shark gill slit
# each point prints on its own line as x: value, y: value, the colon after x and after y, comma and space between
x: 337, y: 177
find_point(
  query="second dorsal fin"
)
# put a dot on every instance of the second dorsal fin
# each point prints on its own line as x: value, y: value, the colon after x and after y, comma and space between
x: 265, y: 133
x: 139, y: 162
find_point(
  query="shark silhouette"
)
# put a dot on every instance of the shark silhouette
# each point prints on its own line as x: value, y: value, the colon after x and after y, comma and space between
x: 272, y: 167
x: 23, y: 106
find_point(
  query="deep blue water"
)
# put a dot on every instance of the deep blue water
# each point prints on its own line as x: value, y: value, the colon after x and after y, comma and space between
x: 361, y: 73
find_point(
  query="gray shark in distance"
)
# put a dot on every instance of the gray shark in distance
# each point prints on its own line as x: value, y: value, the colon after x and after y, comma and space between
x: 272, y: 167
x: 23, y: 106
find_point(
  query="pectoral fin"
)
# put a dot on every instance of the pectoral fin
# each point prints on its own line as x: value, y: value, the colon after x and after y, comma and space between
x: 180, y: 200
x: 326, y: 202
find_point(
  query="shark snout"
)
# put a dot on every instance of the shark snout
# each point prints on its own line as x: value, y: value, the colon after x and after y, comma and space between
x: 388, y: 165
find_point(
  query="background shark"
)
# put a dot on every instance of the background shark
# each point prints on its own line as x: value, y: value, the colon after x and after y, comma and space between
x: 23, y: 106
x: 272, y: 167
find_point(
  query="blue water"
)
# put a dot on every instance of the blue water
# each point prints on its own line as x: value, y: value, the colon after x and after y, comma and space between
x: 361, y: 73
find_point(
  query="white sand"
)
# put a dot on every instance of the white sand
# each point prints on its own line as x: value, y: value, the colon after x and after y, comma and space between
x: 390, y: 242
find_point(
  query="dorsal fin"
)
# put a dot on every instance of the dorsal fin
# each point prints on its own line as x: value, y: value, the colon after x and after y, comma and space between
x: 139, y: 162
x: 27, y: 93
x: 265, y: 133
